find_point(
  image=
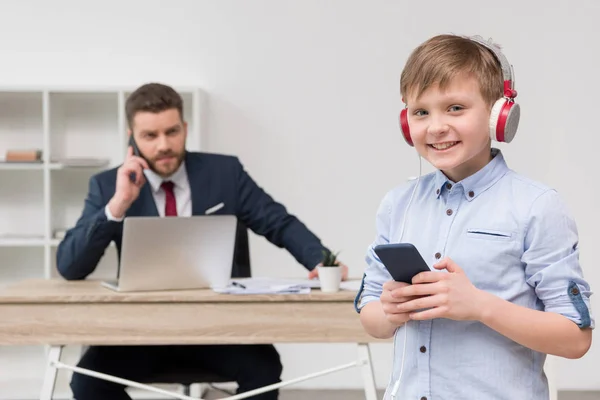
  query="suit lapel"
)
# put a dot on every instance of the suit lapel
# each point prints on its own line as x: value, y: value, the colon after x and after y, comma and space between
x: 199, y: 179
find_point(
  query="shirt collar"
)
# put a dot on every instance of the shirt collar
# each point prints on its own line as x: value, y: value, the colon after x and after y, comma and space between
x: 179, y: 178
x: 477, y: 183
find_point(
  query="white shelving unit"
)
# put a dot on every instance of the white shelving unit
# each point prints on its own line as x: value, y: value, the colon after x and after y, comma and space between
x: 38, y: 198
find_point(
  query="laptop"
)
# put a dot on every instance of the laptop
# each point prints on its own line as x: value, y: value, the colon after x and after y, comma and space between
x: 176, y: 253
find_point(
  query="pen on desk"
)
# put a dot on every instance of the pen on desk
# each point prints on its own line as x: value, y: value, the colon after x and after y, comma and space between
x: 234, y: 283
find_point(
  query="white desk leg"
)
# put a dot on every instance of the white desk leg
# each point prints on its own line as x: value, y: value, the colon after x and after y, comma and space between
x: 364, y: 355
x: 51, y: 372
x: 550, y: 369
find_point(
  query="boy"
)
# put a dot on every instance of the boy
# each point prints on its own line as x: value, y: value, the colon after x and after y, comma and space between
x: 506, y: 288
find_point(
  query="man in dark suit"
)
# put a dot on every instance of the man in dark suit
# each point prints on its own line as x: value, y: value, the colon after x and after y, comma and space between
x: 171, y: 181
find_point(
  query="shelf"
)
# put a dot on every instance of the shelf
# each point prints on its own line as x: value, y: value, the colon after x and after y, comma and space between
x: 21, y: 166
x: 21, y: 242
x: 25, y: 166
x: 67, y: 166
x: 24, y: 242
x: 15, y: 166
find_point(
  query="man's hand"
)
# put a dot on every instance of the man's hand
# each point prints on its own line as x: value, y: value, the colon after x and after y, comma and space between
x: 127, y: 191
x: 443, y: 295
x: 315, y: 272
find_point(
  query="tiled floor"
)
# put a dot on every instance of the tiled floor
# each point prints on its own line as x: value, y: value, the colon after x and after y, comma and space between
x: 358, y: 395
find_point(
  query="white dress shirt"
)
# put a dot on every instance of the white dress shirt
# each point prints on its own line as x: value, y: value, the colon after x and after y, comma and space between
x: 181, y: 188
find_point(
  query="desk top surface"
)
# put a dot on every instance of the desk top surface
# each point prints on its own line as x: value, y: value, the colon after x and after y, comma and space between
x: 92, y: 291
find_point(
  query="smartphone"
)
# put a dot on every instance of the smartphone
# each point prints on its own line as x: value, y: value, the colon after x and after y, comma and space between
x: 402, y: 260
x: 136, y: 152
x: 132, y: 143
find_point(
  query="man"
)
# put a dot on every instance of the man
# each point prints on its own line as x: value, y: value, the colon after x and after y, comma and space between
x: 171, y: 181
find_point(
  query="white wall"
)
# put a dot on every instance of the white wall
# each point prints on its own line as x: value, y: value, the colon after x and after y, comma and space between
x: 306, y: 93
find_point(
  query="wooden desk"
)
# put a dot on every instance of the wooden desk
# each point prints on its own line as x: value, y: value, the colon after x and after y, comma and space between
x: 59, y: 313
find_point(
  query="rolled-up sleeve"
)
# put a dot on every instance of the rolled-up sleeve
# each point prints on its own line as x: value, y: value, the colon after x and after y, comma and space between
x: 375, y: 274
x: 551, y: 259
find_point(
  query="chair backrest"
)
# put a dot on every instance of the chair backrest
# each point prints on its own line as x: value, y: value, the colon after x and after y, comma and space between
x: 241, y: 255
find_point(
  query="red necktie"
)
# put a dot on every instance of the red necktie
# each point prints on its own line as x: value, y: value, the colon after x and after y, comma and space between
x: 170, y: 204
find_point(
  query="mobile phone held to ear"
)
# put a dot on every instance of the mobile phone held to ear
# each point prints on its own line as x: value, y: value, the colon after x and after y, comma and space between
x: 132, y: 143
x: 136, y: 152
x: 402, y: 260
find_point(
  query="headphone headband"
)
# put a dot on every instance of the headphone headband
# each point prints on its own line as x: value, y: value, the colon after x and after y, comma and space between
x: 507, y: 70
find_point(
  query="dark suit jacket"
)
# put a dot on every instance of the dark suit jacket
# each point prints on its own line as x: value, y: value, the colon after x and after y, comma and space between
x: 213, y: 179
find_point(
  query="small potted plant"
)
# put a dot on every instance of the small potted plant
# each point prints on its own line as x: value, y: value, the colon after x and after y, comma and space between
x: 330, y: 272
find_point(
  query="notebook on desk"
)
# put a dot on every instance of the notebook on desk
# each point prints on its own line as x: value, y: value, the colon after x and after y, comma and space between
x: 175, y: 253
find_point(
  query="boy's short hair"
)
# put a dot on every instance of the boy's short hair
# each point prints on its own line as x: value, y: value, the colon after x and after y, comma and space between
x: 152, y: 97
x: 442, y: 58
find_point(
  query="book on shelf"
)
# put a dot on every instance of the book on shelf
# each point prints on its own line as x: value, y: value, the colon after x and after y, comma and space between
x: 24, y: 155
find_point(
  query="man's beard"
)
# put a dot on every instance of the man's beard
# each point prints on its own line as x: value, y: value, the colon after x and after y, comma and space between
x: 179, y: 159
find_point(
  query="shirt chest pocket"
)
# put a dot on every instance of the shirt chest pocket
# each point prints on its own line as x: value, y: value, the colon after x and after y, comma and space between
x: 490, y: 234
x: 492, y: 258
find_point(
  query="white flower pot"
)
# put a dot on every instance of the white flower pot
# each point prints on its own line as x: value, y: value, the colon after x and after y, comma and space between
x: 330, y: 278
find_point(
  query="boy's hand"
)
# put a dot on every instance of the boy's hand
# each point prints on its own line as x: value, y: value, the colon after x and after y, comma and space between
x: 444, y: 295
x: 391, y: 297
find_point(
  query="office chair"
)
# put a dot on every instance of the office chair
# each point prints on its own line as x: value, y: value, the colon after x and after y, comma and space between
x: 187, y: 376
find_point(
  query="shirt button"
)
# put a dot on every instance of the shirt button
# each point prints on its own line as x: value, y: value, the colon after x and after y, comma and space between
x: 437, y: 191
x: 437, y: 255
x: 574, y: 291
x: 471, y: 193
x: 423, y: 398
x: 448, y: 186
x: 423, y: 349
x: 448, y: 212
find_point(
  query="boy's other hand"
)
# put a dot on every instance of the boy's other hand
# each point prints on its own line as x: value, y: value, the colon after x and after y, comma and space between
x: 390, y: 298
x: 442, y: 295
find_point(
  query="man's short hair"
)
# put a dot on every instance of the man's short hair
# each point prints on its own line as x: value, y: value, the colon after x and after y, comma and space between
x: 152, y: 97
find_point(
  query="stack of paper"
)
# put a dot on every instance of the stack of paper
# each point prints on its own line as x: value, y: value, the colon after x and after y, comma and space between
x: 280, y: 286
x: 265, y: 286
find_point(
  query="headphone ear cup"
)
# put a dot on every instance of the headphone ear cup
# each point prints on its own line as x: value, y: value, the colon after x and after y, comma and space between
x: 504, y: 120
x: 404, y: 127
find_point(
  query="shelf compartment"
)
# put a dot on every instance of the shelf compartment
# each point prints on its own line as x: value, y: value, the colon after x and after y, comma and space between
x: 21, y: 121
x: 84, y: 125
x: 21, y: 203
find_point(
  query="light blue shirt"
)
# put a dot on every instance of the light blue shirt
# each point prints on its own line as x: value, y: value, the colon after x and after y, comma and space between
x: 514, y: 238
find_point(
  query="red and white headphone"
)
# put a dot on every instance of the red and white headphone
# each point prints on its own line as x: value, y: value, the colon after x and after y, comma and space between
x: 505, y: 114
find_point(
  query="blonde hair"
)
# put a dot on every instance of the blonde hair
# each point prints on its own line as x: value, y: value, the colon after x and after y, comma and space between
x: 442, y: 58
